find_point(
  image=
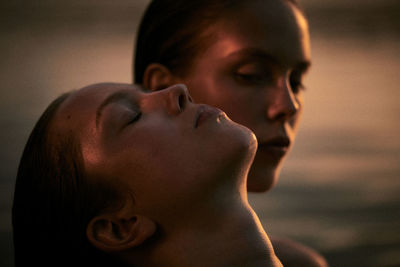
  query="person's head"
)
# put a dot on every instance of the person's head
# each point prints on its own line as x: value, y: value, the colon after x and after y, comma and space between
x: 53, y: 200
x: 109, y: 166
x: 246, y: 57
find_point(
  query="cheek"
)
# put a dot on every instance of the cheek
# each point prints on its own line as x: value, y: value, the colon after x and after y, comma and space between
x: 146, y: 166
x: 241, y: 104
x: 142, y: 147
x: 295, y: 121
x: 206, y: 85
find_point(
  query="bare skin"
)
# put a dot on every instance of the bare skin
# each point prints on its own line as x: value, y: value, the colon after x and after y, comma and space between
x: 149, y: 158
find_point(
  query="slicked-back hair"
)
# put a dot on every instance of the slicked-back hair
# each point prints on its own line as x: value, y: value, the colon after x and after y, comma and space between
x: 54, y: 201
x: 171, y: 32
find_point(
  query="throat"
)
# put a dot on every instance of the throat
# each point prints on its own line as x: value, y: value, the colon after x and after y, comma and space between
x: 236, y: 239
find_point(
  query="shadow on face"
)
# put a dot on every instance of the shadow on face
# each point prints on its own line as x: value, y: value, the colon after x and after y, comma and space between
x: 107, y: 159
x: 157, y: 144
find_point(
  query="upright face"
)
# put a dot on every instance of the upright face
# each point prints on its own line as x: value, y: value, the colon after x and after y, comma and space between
x: 253, y: 69
x: 155, y: 145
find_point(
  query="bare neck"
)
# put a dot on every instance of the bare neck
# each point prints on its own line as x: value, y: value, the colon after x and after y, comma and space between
x: 234, y: 239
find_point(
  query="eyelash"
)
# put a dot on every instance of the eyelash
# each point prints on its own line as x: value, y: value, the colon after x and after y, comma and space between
x: 136, y: 118
x: 251, y: 78
x: 258, y: 78
x: 296, y: 85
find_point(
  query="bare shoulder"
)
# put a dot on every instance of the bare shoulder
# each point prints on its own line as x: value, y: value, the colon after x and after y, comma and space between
x: 292, y: 253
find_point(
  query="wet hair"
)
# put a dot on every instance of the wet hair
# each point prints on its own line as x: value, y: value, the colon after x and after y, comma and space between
x: 172, y: 32
x: 54, y: 201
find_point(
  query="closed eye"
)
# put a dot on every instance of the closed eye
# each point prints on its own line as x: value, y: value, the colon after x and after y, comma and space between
x: 297, y: 77
x: 135, y: 118
x: 296, y: 83
x: 253, y: 78
x: 254, y: 73
x: 297, y: 86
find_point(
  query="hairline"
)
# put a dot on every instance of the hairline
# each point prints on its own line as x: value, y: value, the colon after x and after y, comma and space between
x: 195, y: 40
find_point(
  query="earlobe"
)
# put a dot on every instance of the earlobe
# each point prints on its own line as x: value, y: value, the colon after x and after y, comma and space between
x: 157, y: 77
x: 112, y: 234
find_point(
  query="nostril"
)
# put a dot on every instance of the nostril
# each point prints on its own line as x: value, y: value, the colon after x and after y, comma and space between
x: 181, y: 101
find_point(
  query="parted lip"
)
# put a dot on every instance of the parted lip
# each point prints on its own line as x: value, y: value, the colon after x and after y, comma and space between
x: 205, y: 112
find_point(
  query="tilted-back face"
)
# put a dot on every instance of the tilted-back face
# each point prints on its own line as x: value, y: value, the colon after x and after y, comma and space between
x: 157, y: 144
x: 107, y: 164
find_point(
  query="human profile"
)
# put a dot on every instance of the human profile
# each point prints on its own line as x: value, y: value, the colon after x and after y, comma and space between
x: 115, y: 175
x: 248, y: 58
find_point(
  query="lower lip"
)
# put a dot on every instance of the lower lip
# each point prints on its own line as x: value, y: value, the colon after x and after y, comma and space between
x: 276, y: 152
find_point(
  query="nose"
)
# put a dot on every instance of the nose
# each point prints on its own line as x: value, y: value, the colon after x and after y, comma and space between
x: 175, y: 98
x: 282, y: 103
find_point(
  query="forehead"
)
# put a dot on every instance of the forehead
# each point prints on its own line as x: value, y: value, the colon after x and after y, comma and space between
x: 276, y: 27
x: 79, y: 109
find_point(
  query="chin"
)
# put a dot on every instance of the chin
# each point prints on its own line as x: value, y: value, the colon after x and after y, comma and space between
x: 247, y: 144
x: 238, y: 145
x: 262, y: 179
x: 245, y: 137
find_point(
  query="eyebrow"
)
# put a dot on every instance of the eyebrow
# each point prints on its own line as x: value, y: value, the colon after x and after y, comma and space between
x: 302, y: 65
x: 112, y: 98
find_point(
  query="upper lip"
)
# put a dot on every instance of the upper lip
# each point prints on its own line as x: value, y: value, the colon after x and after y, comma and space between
x: 278, y: 141
x: 204, y: 110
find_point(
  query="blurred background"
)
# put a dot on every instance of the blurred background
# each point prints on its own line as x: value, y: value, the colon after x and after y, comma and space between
x: 339, y: 191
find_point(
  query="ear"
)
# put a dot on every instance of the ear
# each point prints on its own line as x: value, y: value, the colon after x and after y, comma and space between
x: 157, y: 77
x: 113, y: 233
